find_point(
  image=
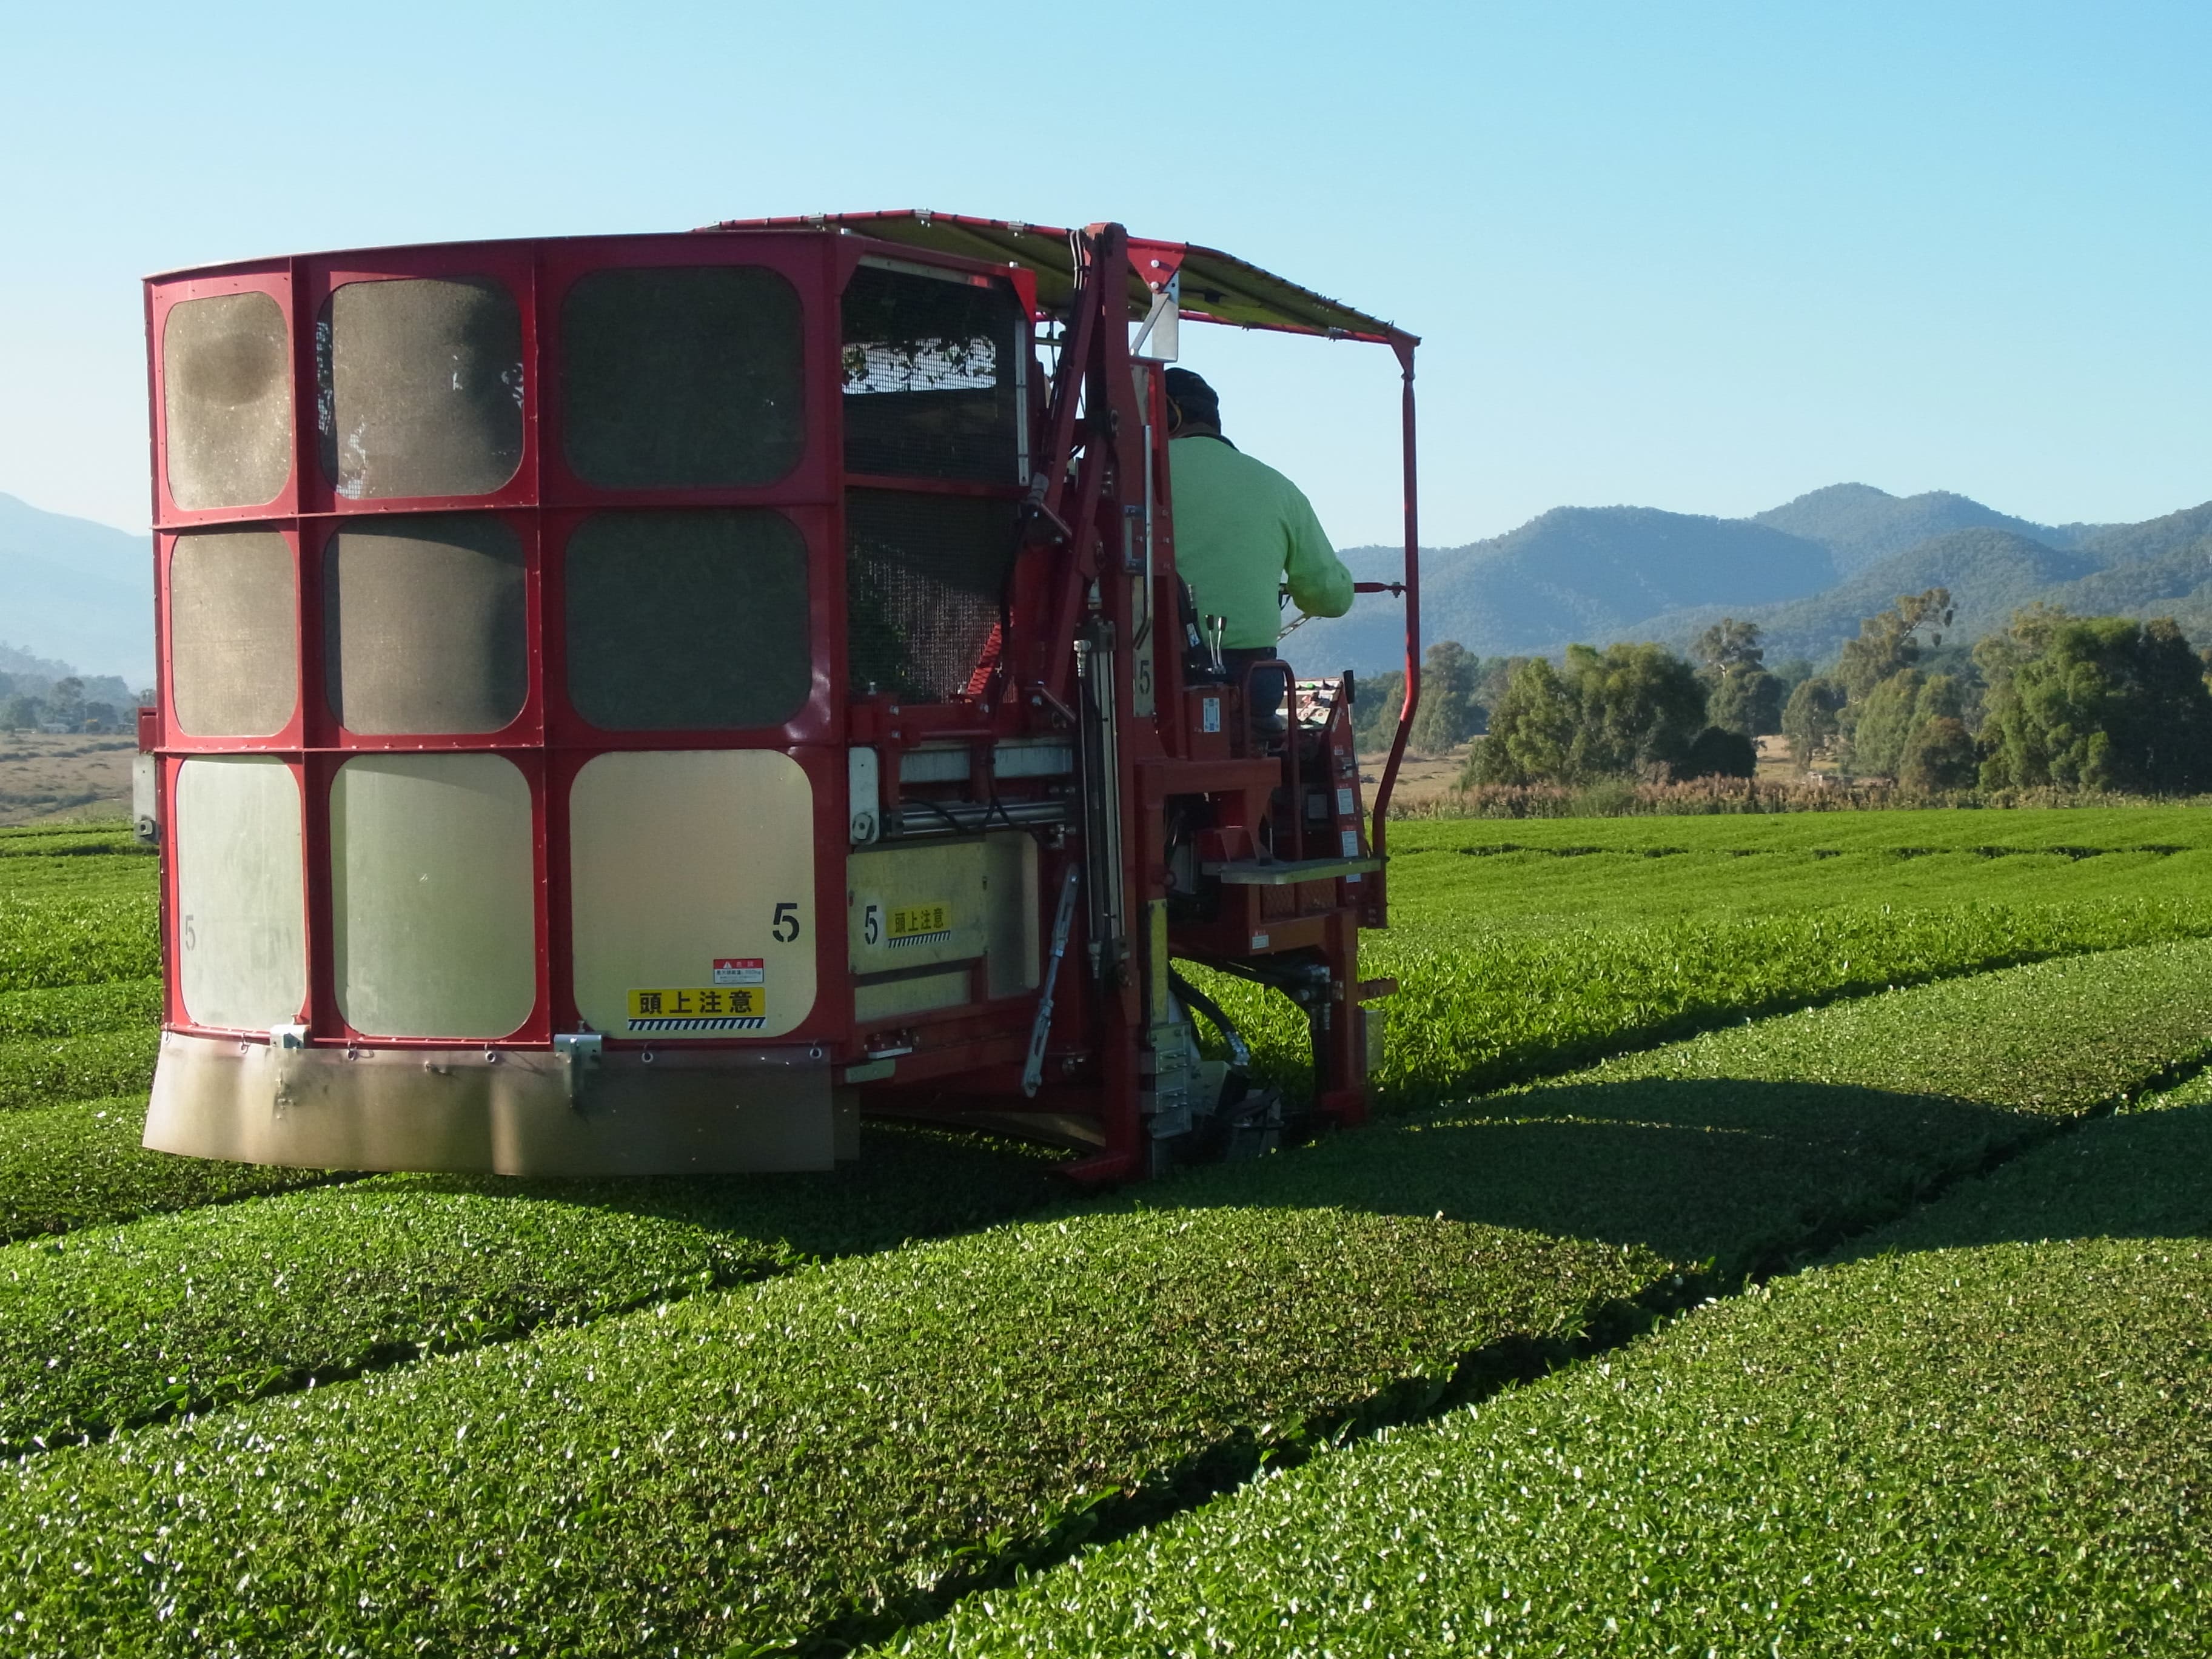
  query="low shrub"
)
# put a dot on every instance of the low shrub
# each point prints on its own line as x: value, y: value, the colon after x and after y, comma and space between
x: 744, y: 1467
x: 1483, y: 1010
x: 114, y: 1326
x: 79, y: 1163
x: 807, y: 1459
x: 1974, y: 1441
x: 1723, y: 795
x: 71, y: 1010
x: 46, y: 1070
x: 77, y: 934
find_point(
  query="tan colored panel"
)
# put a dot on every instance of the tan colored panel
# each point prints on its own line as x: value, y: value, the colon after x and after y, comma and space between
x: 684, y: 858
x: 914, y: 907
x: 434, y: 924
x: 912, y: 993
x: 234, y: 634
x: 241, y: 930
x: 1011, y: 886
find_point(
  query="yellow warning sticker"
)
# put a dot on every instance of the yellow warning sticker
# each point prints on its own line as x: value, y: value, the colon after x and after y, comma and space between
x: 699, y: 1008
x: 917, y: 924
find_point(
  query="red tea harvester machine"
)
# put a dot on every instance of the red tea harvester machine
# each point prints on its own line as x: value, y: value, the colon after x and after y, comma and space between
x: 634, y: 703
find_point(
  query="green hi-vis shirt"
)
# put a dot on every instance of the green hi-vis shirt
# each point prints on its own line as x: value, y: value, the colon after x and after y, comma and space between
x: 1240, y: 527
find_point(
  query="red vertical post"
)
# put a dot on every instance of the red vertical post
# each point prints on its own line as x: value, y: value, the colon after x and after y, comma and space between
x: 1378, y: 906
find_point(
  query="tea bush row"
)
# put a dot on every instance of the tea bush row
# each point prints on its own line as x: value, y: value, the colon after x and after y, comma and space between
x: 1480, y: 1011
x: 1966, y: 1439
x: 733, y: 1468
x: 118, y: 1325
x: 128, y: 1004
x: 844, y: 1446
x: 1738, y: 1150
x: 79, y: 1163
x: 78, y: 934
x: 39, y: 1072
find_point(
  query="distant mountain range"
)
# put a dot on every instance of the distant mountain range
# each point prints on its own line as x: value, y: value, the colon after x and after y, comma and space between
x: 75, y: 595
x: 1805, y: 572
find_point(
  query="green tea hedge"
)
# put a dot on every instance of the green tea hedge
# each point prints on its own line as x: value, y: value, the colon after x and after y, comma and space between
x: 79, y: 1010
x: 739, y: 1468
x: 810, y: 1458
x: 43, y: 1071
x: 115, y: 1326
x: 1480, y: 1009
x: 1969, y: 1443
x: 77, y: 932
x: 79, y: 1163
x: 1749, y: 1146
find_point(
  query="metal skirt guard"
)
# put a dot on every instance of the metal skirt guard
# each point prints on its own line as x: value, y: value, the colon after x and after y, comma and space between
x: 527, y: 1112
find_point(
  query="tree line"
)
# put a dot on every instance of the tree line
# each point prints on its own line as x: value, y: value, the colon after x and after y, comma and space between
x: 2084, y: 703
x: 27, y: 704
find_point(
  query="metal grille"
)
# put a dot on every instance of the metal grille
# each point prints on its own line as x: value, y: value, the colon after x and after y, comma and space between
x: 227, y: 401
x: 683, y: 376
x: 234, y: 627
x: 687, y: 621
x: 424, y: 621
x: 924, y: 578
x: 420, y: 387
x: 933, y: 388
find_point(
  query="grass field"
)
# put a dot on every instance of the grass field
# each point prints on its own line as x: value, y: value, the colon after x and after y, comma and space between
x: 781, y: 1415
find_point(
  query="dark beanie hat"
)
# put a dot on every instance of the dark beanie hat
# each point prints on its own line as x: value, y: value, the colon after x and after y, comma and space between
x: 1191, y: 394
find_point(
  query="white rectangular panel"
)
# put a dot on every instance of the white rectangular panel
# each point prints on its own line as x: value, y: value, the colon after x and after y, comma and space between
x: 434, y: 924
x: 691, y: 872
x: 241, y: 927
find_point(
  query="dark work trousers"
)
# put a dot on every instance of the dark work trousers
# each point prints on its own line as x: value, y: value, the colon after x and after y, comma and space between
x: 1270, y: 686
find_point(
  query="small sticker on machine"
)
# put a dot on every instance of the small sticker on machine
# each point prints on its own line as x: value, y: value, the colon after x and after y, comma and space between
x: 919, y: 924
x: 698, y: 1008
x: 740, y: 971
x: 1344, y: 803
x: 1209, y: 714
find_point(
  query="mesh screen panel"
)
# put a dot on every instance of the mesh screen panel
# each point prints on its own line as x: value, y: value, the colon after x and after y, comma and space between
x: 424, y: 621
x: 226, y: 400
x: 682, y: 621
x: 420, y: 384
x: 923, y: 579
x: 234, y: 627
x: 683, y: 376
x: 929, y: 379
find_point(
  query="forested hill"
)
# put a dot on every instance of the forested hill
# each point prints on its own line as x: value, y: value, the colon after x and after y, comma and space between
x: 1806, y: 571
x: 1577, y: 573
x: 1861, y: 526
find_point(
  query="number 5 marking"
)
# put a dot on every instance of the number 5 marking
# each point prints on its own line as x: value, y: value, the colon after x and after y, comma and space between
x: 872, y: 925
x: 785, y: 923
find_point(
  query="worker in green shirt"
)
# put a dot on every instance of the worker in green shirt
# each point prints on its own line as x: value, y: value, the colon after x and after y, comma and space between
x: 1242, y: 529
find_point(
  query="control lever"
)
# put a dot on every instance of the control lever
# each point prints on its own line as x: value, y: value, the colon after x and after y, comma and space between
x: 1217, y: 629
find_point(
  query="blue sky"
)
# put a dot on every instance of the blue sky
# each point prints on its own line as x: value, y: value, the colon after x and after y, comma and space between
x: 1704, y: 257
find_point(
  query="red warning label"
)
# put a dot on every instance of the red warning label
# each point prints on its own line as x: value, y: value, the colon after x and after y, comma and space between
x: 740, y: 971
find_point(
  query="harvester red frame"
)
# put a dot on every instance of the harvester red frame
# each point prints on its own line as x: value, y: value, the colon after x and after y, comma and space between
x: 1099, y: 472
